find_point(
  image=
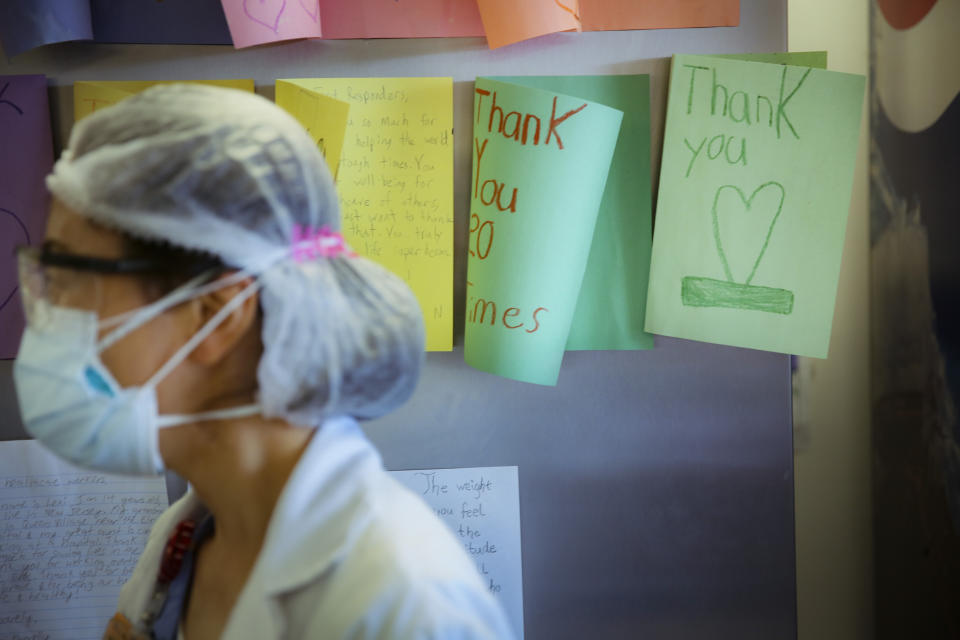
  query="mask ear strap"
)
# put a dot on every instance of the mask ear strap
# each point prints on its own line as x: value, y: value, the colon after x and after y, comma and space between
x: 134, y: 316
x: 220, y: 414
x: 135, y: 319
x: 138, y: 317
x: 202, y: 334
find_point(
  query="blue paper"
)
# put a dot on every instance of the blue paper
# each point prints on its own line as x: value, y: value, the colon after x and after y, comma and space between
x: 152, y: 22
x: 26, y: 24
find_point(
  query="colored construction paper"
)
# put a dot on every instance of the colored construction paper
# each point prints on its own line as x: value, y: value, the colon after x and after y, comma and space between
x: 407, y: 19
x: 508, y: 21
x: 25, y: 24
x: 815, y: 59
x: 755, y: 187
x: 255, y: 22
x: 605, y: 15
x: 88, y: 96
x: 395, y: 182
x: 540, y: 163
x: 26, y: 157
x: 324, y: 118
x: 613, y: 298
x: 166, y: 22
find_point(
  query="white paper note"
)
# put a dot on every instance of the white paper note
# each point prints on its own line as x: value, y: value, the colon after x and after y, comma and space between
x: 69, y: 539
x: 481, y: 505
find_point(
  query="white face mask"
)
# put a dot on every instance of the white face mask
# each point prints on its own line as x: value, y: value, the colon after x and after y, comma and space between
x: 71, y: 403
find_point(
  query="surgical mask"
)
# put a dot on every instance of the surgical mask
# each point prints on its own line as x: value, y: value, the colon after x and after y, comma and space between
x: 70, y: 402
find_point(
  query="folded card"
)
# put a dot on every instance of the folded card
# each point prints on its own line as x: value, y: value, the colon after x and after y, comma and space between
x: 394, y: 177
x: 755, y: 187
x: 540, y: 164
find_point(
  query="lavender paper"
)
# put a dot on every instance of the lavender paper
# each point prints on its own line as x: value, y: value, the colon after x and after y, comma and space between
x: 26, y: 157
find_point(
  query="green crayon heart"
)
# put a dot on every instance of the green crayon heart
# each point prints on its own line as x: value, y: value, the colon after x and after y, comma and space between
x: 742, y: 227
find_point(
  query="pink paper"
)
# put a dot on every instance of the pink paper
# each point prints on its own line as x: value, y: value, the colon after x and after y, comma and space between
x: 400, y: 19
x: 255, y: 22
x: 26, y: 157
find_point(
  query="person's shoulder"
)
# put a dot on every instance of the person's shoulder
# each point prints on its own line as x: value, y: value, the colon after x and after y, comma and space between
x: 390, y: 600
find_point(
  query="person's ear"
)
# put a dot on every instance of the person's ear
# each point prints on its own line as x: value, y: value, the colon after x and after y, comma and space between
x: 232, y: 329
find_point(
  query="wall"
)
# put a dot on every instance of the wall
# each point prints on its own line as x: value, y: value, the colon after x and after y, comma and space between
x: 655, y: 488
x: 832, y: 426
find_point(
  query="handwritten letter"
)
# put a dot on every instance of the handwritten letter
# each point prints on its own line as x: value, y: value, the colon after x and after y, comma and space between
x: 396, y: 183
x: 613, y: 297
x: 540, y: 163
x: 69, y: 539
x: 26, y: 157
x: 482, y: 508
x: 754, y: 190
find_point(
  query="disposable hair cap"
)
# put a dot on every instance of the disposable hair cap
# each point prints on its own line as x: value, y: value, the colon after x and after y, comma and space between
x: 231, y: 174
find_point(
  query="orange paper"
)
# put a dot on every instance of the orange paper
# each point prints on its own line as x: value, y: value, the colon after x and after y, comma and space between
x: 509, y: 21
x: 610, y: 15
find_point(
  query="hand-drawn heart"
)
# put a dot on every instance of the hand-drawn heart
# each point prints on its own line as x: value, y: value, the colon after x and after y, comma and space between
x: 265, y: 12
x: 12, y: 233
x: 312, y: 7
x: 742, y: 227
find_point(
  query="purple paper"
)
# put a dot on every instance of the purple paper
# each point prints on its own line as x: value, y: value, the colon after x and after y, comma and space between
x: 26, y: 157
x: 167, y: 22
x: 25, y: 24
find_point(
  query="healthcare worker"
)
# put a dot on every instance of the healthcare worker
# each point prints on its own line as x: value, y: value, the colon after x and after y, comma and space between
x: 194, y: 308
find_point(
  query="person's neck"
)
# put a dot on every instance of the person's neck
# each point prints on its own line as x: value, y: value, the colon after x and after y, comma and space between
x: 238, y: 469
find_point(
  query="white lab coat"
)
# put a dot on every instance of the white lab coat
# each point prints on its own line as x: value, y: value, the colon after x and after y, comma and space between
x: 349, y: 553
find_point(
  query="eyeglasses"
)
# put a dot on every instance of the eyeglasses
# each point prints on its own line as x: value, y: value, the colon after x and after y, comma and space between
x: 46, y: 257
x: 68, y: 280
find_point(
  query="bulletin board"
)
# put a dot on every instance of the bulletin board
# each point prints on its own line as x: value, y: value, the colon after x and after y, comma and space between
x: 656, y: 487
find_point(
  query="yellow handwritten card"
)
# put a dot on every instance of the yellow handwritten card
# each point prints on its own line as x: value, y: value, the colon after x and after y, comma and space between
x: 90, y: 96
x: 395, y: 181
x: 755, y: 183
x: 540, y: 165
x: 324, y: 118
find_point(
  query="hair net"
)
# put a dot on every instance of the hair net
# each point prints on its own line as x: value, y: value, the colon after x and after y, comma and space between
x: 229, y: 173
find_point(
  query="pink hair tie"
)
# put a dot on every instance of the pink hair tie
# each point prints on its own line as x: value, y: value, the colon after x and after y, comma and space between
x: 310, y: 243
